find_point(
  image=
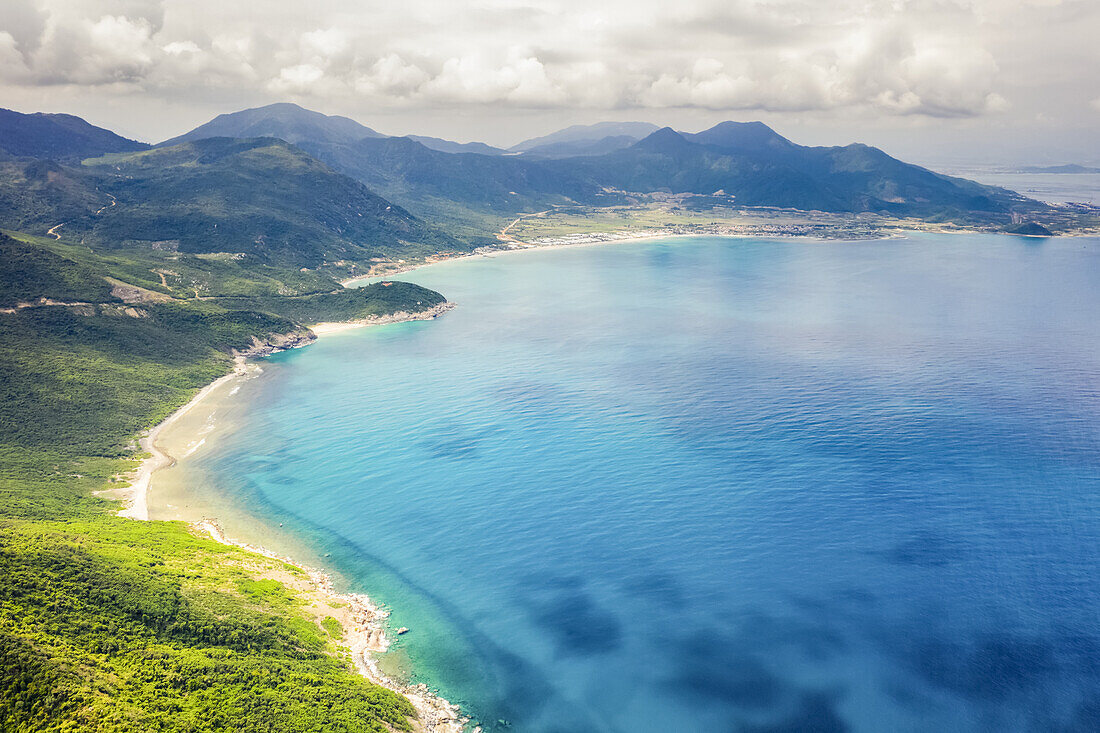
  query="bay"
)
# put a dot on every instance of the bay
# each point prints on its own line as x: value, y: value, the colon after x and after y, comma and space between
x: 701, y: 484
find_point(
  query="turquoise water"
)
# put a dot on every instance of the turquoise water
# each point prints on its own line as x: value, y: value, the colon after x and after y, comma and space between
x: 718, y: 484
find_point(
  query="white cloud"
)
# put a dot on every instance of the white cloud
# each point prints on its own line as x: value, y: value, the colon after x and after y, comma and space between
x: 300, y: 79
x: 517, y: 77
x: 884, y: 58
x: 104, y: 50
x: 12, y: 66
x: 391, y: 76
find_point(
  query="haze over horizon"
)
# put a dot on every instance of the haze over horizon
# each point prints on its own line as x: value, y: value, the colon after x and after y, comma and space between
x: 957, y: 81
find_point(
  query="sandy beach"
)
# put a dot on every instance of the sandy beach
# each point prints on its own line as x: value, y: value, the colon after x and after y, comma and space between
x: 137, y: 494
x: 363, y: 621
x: 589, y: 239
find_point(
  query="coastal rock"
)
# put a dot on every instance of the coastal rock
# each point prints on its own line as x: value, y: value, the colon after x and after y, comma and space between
x: 277, y: 342
x: 399, y: 317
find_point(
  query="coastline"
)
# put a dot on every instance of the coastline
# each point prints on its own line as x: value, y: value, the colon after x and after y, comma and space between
x: 515, y: 246
x: 137, y: 494
x: 593, y: 239
x: 509, y: 245
x: 362, y: 620
x: 364, y: 633
x: 328, y: 327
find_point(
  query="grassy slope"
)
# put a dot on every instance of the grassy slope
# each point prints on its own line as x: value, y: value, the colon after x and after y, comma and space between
x: 113, y: 625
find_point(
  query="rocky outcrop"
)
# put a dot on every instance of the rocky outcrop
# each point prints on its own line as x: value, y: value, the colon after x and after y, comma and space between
x: 304, y: 336
x: 402, y: 316
x: 277, y: 342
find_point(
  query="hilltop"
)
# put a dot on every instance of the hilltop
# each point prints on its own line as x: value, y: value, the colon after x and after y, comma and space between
x: 285, y: 121
x: 58, y: 137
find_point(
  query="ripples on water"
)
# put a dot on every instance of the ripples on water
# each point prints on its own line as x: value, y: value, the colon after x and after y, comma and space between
x: 714, y: 484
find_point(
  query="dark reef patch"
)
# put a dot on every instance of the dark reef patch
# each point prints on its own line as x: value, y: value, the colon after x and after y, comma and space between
x: 569, y: 614
x: 454, y: 442
x: 815, y: 713
x: 922, y: 550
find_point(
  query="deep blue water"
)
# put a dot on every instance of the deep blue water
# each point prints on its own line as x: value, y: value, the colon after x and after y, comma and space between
x: 718, y: 484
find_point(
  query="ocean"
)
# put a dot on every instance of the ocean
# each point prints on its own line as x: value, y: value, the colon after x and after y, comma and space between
x: 711, y: 484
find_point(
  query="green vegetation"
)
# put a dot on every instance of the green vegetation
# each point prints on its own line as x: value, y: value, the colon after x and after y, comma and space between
x: 351, y: 304
x: 185, y: 275
x: 114, y: 625
x: 333, y: 627
x: 261, y: 200
x: 1029, y: 229
x: 258, y: 197
x: 31, y: 271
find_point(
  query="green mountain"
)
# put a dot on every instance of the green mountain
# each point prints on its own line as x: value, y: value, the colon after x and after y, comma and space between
x: 746, y: 163
x: 38, y: 194
x: 285, y: 121
x: 453, y: 187
x: 757, y: 167
x: 58, y: 137
x: 258, y: 198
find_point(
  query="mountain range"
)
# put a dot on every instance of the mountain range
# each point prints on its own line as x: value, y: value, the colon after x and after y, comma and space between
x: 756, y: 166
x: 297, y: 187
x: 746, y: 163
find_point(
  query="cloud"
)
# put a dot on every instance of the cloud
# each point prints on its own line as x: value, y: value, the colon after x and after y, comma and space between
x: 1095, y: 104
x: 107, y: 50
x: 938, y: 59
x: 391, y: 76
x: 518, y: 78
x: 23, y: 22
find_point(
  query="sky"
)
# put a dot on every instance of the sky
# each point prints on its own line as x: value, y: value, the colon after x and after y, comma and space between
x: 936, y: 81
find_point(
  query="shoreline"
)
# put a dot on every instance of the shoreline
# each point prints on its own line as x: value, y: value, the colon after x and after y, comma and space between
x: 137, y: 493
x: 510, y: 245
x: 490, y: 251
x: 327, y: 327
x: 593, y: 239
x: 363, y: 621
x: 370, y: 636
x: 364, y: 634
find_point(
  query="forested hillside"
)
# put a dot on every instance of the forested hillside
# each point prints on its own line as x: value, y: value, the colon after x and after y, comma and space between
x: 114, y: 625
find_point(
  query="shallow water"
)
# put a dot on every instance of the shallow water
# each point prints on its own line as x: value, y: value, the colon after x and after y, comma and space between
x: 715, y: 484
